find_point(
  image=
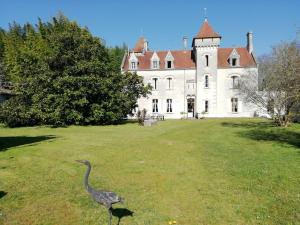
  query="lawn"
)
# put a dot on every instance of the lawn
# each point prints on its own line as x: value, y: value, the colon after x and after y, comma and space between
x: 212, y: 171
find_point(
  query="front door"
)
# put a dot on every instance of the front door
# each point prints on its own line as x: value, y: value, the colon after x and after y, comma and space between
x: 190, y: 107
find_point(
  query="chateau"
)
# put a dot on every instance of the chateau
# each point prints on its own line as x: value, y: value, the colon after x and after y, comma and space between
x: 196, y: 82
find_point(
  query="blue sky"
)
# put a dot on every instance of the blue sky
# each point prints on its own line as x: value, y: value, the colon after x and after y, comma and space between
x: 165, y: 22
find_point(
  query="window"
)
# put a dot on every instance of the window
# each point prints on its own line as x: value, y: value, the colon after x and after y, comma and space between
x: 169, y: 61
x: 235, y: 83
x: 206, y: 107
x: 169, y: 64
x: 234, y: 58
x: 169, y: 83
x: 133, y: 65
x: 155, y: 83
x: 154, y: 105
x: 206, y: 60
x: 169, y: 105
x: 234, y: 105
x: 206, y: 81
x: 155, y: 64
x: 233, y: 62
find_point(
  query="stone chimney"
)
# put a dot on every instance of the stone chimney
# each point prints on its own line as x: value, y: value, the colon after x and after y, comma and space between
x: 146, y: 47
x: 185, y: 42
x: 250, y: 42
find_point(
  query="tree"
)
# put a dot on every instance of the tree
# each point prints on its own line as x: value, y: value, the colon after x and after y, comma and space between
x: 63, y: 75
x: 279, y: 83
x: 116, y: 55
x: 2, y: 34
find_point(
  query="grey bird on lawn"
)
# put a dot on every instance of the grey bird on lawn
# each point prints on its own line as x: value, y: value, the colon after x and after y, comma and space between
x: 105, y: 198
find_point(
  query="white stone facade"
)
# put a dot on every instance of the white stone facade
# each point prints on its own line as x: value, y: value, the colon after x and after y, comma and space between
x: 195, y: 83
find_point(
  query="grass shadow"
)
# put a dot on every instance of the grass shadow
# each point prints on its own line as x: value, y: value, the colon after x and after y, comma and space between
x: 121, y: 212
x: 280, y: 136
x: 13, y: 141
x: 266, y: 131
x: 262, y: 124
x: 2, y: 194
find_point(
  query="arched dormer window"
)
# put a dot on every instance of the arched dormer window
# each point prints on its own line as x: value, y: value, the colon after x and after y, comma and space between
x: 169, y: 61
x: 234, y: 58
x: 133, y: 62
x: 155, y: 61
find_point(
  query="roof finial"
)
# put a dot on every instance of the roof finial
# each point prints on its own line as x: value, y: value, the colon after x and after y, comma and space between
x: 205, y: 17
x: 142, y: 32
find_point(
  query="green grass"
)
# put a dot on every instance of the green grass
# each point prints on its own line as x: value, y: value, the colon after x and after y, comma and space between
x: 214, y: 171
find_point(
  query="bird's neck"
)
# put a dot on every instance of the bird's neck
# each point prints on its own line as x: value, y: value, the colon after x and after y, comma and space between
x: 86, y: 178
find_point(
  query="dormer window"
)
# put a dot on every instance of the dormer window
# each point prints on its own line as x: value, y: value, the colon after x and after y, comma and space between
x: 169, y: 60
x: 133, y: 65
x: 155, y: 61
x: 234, y: 59
x: 133, y: 62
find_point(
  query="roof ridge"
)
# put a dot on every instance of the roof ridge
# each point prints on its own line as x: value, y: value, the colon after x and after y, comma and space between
x: 172, y: 50
x: 232, y: 47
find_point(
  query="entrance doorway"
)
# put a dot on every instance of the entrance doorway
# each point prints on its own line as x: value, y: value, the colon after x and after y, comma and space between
x: 190, y: 107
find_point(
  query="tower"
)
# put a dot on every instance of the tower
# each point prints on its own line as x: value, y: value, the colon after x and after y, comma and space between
x: 205, y: 50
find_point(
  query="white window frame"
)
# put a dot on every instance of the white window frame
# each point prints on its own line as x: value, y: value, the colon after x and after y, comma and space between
x: 235, y: 82
x: 133, y: 65
x: 169, y: 83
x: 234, y: 105
x: 155, y: 105
x: 155, y: 83
x: 169, y: 105
x: 154, y: 64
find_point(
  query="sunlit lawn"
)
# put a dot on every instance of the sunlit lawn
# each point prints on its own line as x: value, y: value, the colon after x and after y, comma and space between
x: 212, y: 171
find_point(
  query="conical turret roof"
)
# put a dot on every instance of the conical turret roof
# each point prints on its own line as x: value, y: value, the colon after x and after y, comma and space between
x: 139, y: 46
x: 207, y: 31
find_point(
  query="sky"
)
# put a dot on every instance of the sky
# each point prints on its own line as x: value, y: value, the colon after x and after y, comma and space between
x: 165, y: 22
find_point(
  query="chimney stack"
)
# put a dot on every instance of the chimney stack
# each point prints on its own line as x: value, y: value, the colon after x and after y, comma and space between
x: 146, y: 45
x: 185, y: 42
x: 250, y: 42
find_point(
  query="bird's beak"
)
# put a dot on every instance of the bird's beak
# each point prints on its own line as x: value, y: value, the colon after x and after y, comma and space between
x: 80, y: 161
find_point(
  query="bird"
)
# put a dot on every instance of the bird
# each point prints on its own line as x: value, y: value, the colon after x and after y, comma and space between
x: 105, y: 198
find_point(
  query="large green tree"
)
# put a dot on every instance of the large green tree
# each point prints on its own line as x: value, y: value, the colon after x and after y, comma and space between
x: 63, y: 75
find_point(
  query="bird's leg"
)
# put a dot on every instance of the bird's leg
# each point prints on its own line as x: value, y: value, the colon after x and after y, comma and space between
x: 109, y: 216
